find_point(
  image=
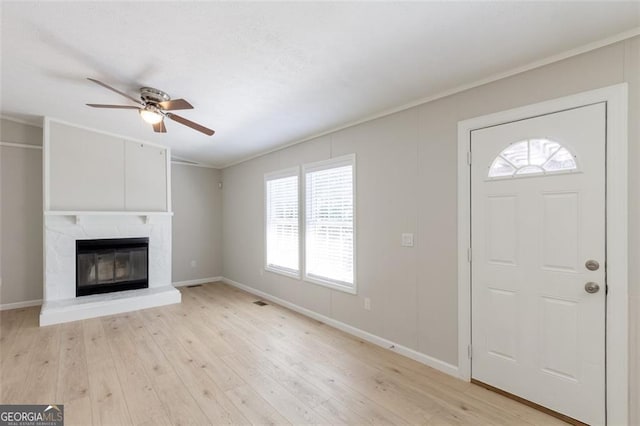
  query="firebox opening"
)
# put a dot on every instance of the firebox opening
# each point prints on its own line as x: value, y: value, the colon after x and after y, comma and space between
x: 109, y: 265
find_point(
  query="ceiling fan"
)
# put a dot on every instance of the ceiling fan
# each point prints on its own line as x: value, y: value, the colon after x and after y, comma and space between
x: 154, y: 106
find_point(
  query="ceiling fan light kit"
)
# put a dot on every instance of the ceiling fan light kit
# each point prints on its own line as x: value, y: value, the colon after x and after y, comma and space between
x: 151, y: 114
x: 154, y: 106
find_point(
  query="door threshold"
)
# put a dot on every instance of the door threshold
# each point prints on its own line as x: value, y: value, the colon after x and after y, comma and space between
x: 528, y: 403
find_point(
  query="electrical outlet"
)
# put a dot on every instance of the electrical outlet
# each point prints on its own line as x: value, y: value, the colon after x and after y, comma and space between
x: 407, y: 240
x: 194, y: 263
x: 367, y: 303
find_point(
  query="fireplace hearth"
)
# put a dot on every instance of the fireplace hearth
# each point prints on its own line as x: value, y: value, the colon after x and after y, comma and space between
x: 110, y: 265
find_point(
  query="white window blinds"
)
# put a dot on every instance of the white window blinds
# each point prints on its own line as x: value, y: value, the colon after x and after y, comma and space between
x: 329, y: 223
x: 282, y: 223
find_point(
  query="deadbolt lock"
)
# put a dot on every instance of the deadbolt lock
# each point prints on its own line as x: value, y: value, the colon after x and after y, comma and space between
x: 592, y: 265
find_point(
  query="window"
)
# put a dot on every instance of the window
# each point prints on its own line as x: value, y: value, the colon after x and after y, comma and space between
x: 329, y: 223
x: 533, y: 156
x: 282, y: 222
x: 328, y: 246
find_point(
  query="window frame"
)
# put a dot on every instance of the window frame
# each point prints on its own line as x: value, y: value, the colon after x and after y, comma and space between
x: 281, y: 174
x: 345, y: 160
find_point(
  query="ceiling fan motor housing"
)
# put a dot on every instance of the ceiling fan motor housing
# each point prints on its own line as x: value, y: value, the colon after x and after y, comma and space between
x: 153, y: 96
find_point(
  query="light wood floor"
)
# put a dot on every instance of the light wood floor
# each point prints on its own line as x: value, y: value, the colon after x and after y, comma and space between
x: 218, y: 358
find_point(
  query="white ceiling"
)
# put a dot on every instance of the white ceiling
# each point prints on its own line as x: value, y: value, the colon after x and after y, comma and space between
x: 264, y: 74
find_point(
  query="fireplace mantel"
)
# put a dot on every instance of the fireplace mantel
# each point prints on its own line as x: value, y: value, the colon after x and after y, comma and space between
x: 79, y: 214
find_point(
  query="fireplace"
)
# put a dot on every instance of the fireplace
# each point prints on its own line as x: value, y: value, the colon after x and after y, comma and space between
x: 109, y: 265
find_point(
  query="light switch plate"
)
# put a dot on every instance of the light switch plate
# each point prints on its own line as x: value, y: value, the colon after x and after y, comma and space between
x: 407, y: 240
x: 367, y: 303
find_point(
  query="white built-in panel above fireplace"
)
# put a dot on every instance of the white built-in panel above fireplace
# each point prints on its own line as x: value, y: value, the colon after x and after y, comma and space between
x: 94, y: 171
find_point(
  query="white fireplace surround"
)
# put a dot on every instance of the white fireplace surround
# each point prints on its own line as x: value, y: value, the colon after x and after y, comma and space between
x: 62, y: 231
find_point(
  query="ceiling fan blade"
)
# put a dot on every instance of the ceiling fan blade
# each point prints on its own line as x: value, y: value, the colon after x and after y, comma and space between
x: 159, y: 127
x: 175, y: 104
x: 189, y: 123
x: 113, y: 106
x: 106, y: 86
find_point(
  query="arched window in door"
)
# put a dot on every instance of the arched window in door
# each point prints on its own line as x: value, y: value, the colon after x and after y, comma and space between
x: 532, y: 157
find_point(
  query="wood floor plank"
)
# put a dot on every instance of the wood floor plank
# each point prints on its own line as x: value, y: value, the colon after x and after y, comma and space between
x: 191, y: 350
x: 285, y: 402
x: 203, y: 374
x: 337, y: 386
x: 40, y: 381
x: 73, y: 376
x: 9, y: 326
x: 137, y: 387
x: 296, y: 333
x: 340, y: 412
x: 254, y: 407
x: 78, y: 411
x: 526, y: 414
x: 432, y: 402
x: 108, y: 404
x: 16, y: 357
x: 311, y: 395
x: 371, y: 382
x: 217, y: 358
x: 333, y: 386
x: 175, y: 397
x: 193, y: 372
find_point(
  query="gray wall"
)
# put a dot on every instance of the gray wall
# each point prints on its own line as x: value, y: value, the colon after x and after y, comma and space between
x: 197, y: 222
x: 406, y: 182
x: 11, y: 131
x: 20, y: 214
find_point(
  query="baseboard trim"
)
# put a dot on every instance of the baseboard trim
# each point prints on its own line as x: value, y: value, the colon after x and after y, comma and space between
x: 38, y: 302
x: 197, y: 281
x: 435, y: 363
x: 18, y: 305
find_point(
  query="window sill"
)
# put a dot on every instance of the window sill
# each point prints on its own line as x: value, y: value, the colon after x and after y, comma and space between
x: 332, y: 285
x: 286, y: 273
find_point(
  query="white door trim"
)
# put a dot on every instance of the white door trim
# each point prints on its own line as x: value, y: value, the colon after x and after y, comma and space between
x: 617, y: 349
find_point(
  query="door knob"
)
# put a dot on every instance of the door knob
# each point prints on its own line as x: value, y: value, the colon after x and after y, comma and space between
x: 592, y: 265
x: 591, y: 287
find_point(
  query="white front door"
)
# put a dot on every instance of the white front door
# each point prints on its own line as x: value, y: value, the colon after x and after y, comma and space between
x: 538, y: 260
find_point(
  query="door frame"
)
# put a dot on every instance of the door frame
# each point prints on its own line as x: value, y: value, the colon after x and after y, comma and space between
x: 617, y: 322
